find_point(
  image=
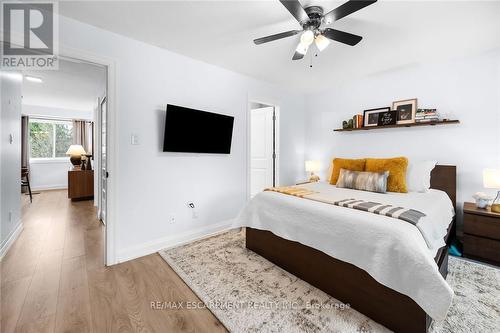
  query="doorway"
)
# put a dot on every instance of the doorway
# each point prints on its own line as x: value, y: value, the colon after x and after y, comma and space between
x: 263, y: 152
x: 75, y: 96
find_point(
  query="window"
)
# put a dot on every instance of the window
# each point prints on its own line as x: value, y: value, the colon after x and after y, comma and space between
x: 50, y: 138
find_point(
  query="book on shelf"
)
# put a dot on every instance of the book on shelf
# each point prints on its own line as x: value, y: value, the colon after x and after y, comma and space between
x: 426, y: 119
x: 426, y: 115
x: 357, y: 121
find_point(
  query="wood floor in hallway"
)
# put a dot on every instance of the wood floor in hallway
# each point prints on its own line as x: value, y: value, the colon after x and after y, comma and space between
x: 53, y: 279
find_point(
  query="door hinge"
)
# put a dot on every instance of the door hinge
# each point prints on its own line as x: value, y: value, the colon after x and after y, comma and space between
x: 274, y: 155
x: 107, y: 174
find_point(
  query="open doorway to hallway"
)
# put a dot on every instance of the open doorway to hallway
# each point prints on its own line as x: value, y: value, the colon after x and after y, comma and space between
x: 50, y: 234
x: 63, y: 130
x: 263, y: 152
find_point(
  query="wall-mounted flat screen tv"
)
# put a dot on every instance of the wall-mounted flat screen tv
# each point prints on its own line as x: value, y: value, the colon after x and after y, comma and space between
x: 195, y: 131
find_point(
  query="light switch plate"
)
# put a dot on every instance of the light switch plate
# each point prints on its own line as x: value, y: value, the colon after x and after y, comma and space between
x: 134, y: 139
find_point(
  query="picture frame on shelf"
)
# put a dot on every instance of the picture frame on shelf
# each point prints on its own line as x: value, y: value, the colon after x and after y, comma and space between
x: 370, y: 116
x: 406, y: 110
x: 387, y: 118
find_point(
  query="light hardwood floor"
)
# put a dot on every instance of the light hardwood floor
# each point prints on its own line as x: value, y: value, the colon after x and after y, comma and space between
x: 53, y: 279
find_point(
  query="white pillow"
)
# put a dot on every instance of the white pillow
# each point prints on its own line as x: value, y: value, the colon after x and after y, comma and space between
x: 418, y: 175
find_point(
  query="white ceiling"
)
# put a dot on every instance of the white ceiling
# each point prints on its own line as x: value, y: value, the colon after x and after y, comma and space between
x: 74, y: 86
x: 396, y: 34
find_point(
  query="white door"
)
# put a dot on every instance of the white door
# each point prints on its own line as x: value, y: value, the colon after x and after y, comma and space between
x: 261, y: 149
x: 102, y: 161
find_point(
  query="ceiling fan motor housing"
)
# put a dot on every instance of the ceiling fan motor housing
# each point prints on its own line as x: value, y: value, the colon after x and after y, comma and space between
x: 315, y: 14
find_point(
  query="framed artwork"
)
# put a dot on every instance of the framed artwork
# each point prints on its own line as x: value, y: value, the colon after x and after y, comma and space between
x: 406, y: 110
x: 370, y: 117
x: 387, y: 118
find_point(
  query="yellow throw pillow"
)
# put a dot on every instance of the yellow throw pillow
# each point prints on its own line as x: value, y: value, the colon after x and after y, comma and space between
x: 397, y: 171
x: 348, y: 164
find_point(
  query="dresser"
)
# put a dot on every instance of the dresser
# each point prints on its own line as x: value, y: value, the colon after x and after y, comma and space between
x: 80, y: 184
x: 481, y: 234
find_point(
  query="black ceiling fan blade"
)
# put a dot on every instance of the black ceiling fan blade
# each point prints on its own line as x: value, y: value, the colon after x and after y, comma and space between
x: 341, y: 36
x: 346, y: 9
x: 270, y: 38
x: 296, y: 9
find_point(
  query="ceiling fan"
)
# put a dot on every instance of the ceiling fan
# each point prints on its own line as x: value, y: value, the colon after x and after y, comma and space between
x: 311, y: 19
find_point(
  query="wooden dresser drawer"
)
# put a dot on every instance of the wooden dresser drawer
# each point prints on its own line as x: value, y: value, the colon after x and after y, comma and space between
x: 483, y: 226
x: 482, y: 247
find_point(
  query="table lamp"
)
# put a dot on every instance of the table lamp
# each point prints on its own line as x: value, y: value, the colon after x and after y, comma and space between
x: 312, y: 167
x: 491, y: 179
x: 75, y: 152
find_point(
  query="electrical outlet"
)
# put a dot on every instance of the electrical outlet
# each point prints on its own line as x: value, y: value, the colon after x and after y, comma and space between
x: 171, y: 219
x: 193, y: 209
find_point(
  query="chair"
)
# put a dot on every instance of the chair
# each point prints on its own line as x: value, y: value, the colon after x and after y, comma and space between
x: 25, y: 181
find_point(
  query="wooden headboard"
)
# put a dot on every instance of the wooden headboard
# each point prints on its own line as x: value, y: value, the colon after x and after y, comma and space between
x: 444, y: 178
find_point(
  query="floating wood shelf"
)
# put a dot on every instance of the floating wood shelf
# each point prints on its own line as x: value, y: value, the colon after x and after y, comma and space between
x: 431, y: 123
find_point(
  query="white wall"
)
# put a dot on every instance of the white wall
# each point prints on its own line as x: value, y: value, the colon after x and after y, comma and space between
x: 153, y: 185
x: 467, y: 89
x: 49, y: 174
x: 10, y: 157
x: 53, y: 173
x: 37, y: 110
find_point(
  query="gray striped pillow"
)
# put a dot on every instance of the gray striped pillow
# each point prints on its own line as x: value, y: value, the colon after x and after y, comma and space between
x: 362, y: 180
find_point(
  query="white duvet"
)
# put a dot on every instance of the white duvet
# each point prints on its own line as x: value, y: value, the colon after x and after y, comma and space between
x: 392, y: 251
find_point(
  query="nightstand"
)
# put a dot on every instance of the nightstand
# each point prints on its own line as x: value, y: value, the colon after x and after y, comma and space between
x: 481, y: 234
x: 80, y: 184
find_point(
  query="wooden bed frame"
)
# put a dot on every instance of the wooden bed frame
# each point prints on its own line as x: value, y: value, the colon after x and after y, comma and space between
x: 350, y: 284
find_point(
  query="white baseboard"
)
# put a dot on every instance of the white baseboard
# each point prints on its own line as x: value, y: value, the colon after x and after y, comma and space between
x: 50, y: 187
x: 10, y: 240
x: 169, y: 242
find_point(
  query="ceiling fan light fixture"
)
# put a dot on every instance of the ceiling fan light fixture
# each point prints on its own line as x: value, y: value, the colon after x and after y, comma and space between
x: 302, y: 48
x: 321, y: 42
x: 307, y: 37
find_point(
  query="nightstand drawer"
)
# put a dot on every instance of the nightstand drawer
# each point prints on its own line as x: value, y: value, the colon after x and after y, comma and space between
x: 481, y: 225
x: 482, y: 247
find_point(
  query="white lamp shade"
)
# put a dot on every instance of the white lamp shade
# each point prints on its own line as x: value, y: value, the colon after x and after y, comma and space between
x: 321, y: 42
x: 75, y: 150
x: 307, y: 37
x: 313, y: 166
x: 491, y: 178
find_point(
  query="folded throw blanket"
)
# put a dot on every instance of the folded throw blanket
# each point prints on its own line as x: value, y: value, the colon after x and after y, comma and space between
x: 291, y: 190
x: 409, y: 215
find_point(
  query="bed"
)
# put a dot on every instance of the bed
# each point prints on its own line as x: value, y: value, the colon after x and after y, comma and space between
x: 369, y: 277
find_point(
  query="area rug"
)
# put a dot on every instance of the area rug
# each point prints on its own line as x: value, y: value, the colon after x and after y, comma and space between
x: 247, y: 293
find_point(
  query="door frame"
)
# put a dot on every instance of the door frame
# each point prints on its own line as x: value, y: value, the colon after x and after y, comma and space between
x: 276, y: 107
x: 98, y: 133
x: 110, y: 230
